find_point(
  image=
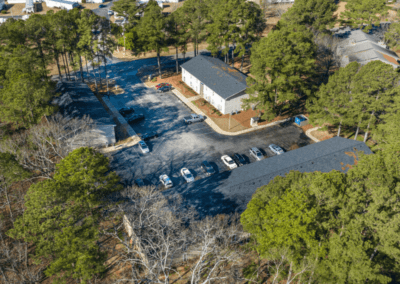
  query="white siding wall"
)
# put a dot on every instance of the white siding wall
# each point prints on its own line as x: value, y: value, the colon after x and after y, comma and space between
x: 191, y: 81
x: 235, y: 104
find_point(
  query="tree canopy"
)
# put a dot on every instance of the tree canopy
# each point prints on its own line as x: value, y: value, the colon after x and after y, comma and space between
x: 316, y: 14
x: 346, y: 223
x: 363, y: 13
x: 62, y: 215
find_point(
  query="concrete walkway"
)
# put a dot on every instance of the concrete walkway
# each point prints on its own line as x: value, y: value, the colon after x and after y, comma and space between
x: 213, y: 125
x: 308, y: 133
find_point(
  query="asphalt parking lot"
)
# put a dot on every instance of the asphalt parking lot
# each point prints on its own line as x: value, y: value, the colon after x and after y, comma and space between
x: 180, y: 145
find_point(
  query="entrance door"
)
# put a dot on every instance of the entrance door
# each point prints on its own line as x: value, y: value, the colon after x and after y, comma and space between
x: 201, y: 89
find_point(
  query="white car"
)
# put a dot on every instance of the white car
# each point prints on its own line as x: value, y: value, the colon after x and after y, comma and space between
x: 143, y: 147
x: 256, y: 153
x: 187, y: 175
x: 110, y: 12
x: 276, y: 149
x: 166, y: 181
x: 229, y: 162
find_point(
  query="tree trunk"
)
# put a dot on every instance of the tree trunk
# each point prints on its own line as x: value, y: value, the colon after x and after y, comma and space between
x: 66, y: 77
x: 105, y: 70
x: 177, y: 64
x: 41, y: 54
x: 81, y: 68
x: 340, y: 128
x: 194, y: 48
x: 184, y: 57
x: 358, y: 128
x: 159, y: 64
x: 66, y: 60
x: 233, y: 57
x: 369, y: 122
x: 9, y: 205
x: 58, y: 65
x: 66, y: 66
x: 94, y: 75
x: 241, y: 65
x: 87, y: 68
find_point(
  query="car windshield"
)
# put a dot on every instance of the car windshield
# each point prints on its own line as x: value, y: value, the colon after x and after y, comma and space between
x: 230, y: 162
x: 143, y: 145
x: 188, y: 175
x: 258, y: 154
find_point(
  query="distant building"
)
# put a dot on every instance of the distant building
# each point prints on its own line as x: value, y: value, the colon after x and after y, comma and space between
x: 2, y: 5
x: 62, y: 4
x: 29, y: 7
x: 77, y: 100
x: 221, y: 85
x: 230, y: 191
x: 363, y: 48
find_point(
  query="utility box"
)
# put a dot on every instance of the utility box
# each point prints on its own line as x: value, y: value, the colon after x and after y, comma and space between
x: 254, y: 121
x: 301, y: 120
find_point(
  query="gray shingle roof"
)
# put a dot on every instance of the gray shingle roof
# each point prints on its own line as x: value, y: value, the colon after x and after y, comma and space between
x: 230, y: 191
x: 77, y: 100
x: 215, y: 74
x: 365, y: 49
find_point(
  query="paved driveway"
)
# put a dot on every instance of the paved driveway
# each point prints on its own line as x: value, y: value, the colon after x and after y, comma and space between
x: 180, y: 145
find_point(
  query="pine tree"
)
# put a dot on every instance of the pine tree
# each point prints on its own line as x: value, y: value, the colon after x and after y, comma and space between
x: 315, y: 14
x: 62, y: 215
x: 331, y: 102
x: 282, y: 64
x: 151, y: 30
x: 195, y: 13
x: 392, y: 36
x: 10, y: 172
x: 363, y: 12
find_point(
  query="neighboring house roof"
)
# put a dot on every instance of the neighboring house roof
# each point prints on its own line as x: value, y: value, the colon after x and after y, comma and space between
x: 78, y: 100
x: 230, y: 191
x: 363, y: 48
x: 216, y: 75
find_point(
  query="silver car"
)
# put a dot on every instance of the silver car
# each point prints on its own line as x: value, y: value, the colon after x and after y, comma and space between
x: 276, y: 149
x: 143, y: 146
x: 166, y: 181
x: 187, y: 175
x: 256, y: 153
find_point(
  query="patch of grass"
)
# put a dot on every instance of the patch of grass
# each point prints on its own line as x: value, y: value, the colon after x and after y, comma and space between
x: 154, y: 79
x: 188, y: 88
x: 4, y: 12
x: 194, y: 103
x: 324, y: 128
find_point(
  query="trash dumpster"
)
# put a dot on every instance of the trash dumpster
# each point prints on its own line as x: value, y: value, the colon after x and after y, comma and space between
x: 301, y: 120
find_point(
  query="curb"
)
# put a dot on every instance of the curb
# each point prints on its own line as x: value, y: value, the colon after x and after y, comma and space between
x: 308, y: 133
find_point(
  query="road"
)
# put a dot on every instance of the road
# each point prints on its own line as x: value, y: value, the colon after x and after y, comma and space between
x: 181, y: 145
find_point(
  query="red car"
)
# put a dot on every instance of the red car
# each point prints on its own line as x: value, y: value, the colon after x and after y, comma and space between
x: 163, y: 85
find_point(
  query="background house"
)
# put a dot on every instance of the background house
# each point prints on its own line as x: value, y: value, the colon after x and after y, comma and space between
x: 218, y: 83
x: 363, y: 48
x: 230, y: 191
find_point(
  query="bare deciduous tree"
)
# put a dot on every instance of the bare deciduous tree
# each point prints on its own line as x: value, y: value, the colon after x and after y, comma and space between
x: 162, y: 234
x: 40, y: 148
x: 328, y: 58
x: 14, y: 264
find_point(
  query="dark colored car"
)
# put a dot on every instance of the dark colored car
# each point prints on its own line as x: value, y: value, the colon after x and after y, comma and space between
x: 239, y: 159
x: 126, y: 110
x: 148, y: 136
x: 139, y: 182
x: 208, y: 169
x: 102, y: 6
x: 135, y: 117
x: 164, y: 89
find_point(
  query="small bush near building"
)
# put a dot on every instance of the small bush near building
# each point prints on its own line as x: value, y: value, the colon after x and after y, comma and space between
x: 4, y: 12
x: 154, y: 79
x: 83, y: 1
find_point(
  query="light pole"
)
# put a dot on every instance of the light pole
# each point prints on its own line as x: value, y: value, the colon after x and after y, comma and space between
x: 230, y: 115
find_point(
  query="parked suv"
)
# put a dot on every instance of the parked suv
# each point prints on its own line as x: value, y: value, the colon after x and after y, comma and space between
x: 208, y: 169
x: 239, y: 159
x: 126, y: 110
x: 148, y: 136
x: 256, y: 153
x: 135, y: 117
x: 164, y: 89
